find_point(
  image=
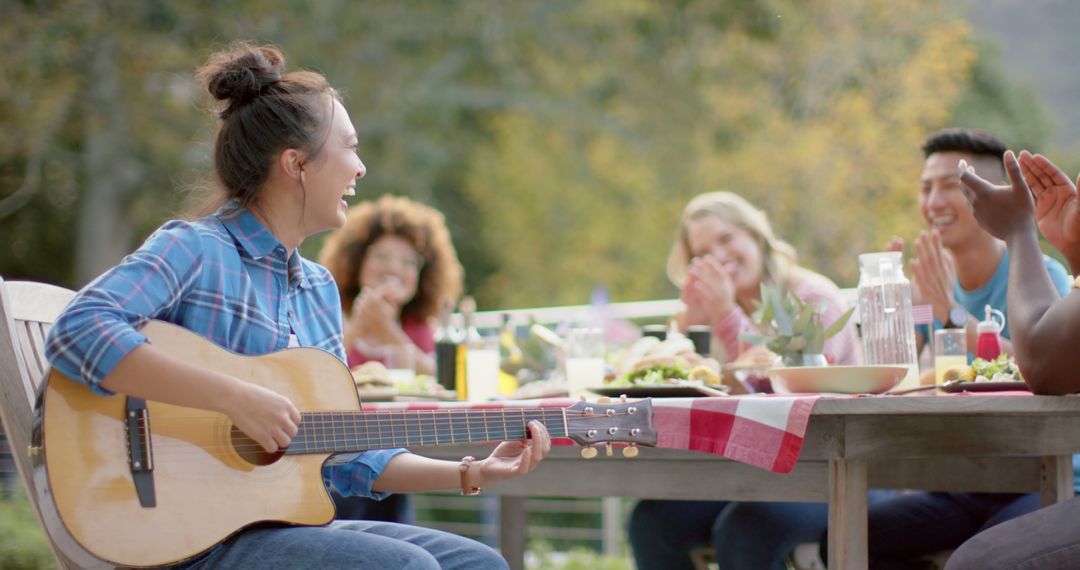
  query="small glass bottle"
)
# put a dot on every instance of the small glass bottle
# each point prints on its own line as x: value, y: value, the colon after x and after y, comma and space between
x: 510, y: 357
x: 988, y: 341
x: 446, y: 347
x: 469, y: 335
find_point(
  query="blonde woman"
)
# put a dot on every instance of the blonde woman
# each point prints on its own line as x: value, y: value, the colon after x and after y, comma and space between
x: 724, y: 251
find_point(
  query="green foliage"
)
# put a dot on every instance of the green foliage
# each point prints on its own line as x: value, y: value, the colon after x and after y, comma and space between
x: 22, y: 543
x: 544, y: 557
x: 788, y: 325
x: 561, y: 138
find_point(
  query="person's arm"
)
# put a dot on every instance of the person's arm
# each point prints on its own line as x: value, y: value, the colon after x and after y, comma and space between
x: 96, y: 340
x: 1044, y: 327
x: 407, y: 472
x: 149, y: 373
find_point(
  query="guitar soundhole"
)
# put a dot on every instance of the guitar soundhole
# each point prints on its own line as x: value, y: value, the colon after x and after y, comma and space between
x: 251, y: 451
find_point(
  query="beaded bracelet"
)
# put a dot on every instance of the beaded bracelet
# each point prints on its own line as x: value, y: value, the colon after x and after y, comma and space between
x: 467, y: 489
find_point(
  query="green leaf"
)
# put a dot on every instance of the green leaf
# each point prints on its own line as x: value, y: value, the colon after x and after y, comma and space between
x: 839, y: 323
x: 782, y: 317
x: 752, y: 338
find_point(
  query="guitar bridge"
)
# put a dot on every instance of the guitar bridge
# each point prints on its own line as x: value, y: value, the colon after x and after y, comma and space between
x: 140, y: 450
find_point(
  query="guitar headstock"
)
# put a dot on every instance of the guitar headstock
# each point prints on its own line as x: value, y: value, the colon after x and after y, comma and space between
x: 605, y: 422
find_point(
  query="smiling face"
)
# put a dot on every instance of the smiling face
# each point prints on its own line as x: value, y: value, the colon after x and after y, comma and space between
x: 734, y: 247
x: 392, y: 260
x: 941, y: 196
x: 332, y: 175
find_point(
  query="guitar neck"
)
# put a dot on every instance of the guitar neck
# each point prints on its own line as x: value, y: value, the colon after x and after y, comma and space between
x: 340, y: 432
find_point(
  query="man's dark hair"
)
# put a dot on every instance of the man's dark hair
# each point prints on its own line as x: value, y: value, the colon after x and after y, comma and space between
x: 971, y: 141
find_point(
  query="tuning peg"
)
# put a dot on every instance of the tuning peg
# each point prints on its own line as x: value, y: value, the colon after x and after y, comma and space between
x: 603, y: 400
x: 588, y: 452
x: 607, y: 449
x: 622, y: 398
x: 630, y: 451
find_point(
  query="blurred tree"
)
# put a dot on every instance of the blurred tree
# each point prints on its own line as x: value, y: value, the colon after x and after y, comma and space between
x: 561, y: 138
x: 813, y: 111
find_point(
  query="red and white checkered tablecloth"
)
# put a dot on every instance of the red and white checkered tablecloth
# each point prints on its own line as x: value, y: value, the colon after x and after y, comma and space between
x: 765, y: 431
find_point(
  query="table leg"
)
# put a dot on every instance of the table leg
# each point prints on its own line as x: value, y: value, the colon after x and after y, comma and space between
x: 1056, y: 483
x: 512, y: 519
x: 847, y: 514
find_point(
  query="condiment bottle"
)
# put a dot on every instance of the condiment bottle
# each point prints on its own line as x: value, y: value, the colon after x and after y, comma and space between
x: 988, y: 341
x: 470, y: 339
x: 446, y: 348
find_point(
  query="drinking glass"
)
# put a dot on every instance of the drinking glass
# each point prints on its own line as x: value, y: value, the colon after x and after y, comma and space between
x: 950, y: 351
x: 482, y: 369
x: 584, y: 360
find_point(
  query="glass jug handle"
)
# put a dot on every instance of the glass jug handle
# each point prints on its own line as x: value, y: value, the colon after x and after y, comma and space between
x: 996, y: 314
x: 885, y: 267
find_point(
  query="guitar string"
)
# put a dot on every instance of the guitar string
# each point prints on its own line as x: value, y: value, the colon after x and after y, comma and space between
x: 425, y: 423
x: 350, y: 430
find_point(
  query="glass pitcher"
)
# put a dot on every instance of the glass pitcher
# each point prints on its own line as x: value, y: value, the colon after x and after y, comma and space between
x: 888, y: 329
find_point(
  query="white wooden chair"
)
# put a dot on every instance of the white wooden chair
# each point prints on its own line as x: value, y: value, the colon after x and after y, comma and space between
x: 27, y: 311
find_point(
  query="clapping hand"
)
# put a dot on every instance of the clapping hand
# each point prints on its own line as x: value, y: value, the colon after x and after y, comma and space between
x: 1057, y: 207
x: 1000, y: 210
x: 374, y: 315
x: 709, y: 293
x: 897, y: 244
x: 934, y: 273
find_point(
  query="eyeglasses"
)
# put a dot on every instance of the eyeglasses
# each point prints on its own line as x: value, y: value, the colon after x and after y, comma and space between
x: 409, y: 262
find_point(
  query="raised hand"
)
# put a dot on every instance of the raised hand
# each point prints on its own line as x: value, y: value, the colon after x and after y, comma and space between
x: 709, y: 292
x: 896, y: 243
x: 1057, y: 207
x: 373, y: 317
x: 1000, y: 210
x: 515, y: 458
x: 933, y: 274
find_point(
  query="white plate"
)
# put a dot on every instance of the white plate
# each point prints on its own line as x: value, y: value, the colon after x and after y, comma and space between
x: 836, y: 379
x: 661, y: 391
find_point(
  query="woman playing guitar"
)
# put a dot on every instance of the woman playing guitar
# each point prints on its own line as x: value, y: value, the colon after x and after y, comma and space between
x: 285, y: 157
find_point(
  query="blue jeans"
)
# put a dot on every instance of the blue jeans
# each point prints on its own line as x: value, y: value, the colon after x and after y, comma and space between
x: 745, y: 535
x: 394, y: 508
x: 1048, y: 539
x: 351, y: 544
x: 913, y: 525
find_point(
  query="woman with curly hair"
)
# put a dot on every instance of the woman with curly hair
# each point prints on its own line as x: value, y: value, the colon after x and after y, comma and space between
x: 395, y: 266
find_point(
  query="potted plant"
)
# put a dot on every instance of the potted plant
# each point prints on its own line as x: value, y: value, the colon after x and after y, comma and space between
x: 792, y: 328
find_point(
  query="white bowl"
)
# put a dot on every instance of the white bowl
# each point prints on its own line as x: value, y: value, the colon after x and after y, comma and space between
x: 836, y: 379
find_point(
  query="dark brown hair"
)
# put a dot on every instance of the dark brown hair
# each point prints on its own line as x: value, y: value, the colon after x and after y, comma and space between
x: 263, y: 111
x: 424, y: 228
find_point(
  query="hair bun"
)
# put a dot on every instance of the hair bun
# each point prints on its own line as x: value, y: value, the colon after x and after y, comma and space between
x: 241, y: 72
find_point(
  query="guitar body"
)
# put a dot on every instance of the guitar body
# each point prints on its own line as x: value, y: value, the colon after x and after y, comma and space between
x: 205, y: 491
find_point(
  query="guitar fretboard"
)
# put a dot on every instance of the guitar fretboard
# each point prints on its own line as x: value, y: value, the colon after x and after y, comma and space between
x: 339, y: 432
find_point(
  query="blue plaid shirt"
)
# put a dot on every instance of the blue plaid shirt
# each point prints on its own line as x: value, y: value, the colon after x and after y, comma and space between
x: 227, y: 278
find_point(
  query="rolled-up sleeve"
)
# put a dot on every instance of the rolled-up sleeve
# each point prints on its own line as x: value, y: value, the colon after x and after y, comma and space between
x: 100, y: 326
x: 353, y: 474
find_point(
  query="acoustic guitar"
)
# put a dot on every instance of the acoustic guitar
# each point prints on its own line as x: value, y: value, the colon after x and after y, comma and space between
x: 141, y: 483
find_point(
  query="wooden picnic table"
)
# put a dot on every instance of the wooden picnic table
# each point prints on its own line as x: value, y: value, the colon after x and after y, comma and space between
x: 1011, y: 442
